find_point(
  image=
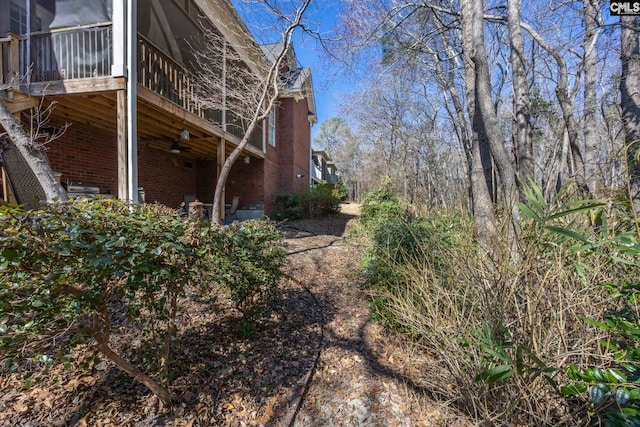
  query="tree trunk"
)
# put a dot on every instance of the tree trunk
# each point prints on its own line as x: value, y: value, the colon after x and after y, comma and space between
x: 135, y: 373
x: 630, y: 96
x: 521, y: 102
x: 490, y: 127
x: 566, y: 105
x: 483, y: 209
x: 216, y: 214
x: 591, y: 8
x: 33, y: 154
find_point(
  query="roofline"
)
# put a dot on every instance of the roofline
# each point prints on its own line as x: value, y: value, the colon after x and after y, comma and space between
x: 227, y: 21
x: 305, y: 92
x: 325, y: 155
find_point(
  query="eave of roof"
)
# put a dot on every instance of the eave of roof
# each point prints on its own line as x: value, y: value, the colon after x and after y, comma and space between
x: 226, y: 20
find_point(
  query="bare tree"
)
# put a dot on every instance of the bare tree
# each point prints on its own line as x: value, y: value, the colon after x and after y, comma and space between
x: 565, y: 100
x: 522, y: 103
x: 591, y: 12
x: 630, y: 97
x: 32, y: 148
x: 244, y: 85
x: 336, y: 137
x: 483, y: 209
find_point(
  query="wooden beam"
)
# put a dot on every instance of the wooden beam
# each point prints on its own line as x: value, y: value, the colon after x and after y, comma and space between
x: 76, y: 86
x: 86, y: 114
x: 19, y: 102
x: 5, y: 187
x: 122, y: 144
x: 161, y: 104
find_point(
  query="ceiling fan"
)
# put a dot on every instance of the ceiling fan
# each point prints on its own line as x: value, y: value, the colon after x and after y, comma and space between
x: 177, y: 148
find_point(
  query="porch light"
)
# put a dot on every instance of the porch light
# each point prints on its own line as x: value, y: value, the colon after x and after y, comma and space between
x: 247, y: 160
x: 184, y: 134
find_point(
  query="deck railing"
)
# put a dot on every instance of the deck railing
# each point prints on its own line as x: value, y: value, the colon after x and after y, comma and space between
x: 87, y: 52
x: 316, y: 173
x: 69, y: 54
x: 163, y: 75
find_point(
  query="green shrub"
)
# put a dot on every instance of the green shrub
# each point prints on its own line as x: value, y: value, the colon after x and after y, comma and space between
x: 288, y: 207
x: 69, y: 269
x: 341, y: 191
x: 71, y: 266
x: 506, y: 335
x: 247, y: 258
x: 398, y: 244
x: 381, y: 205
x: 320, y: 199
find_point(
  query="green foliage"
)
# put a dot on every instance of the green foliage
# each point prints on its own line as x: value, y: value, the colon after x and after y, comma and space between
x: 504, y: 331
x: 398, y: 244
x: 70, y: 271
x: 613, y: 390
x: 317, y: 200
x: 380, y: 206
x: 288, y: 206
x: 320, y: 199
x: 247, y: 258
x: 73, y: 266
x: 502, y: 358
x: 341, y: 191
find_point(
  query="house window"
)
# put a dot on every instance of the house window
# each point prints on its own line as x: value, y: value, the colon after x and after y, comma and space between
x: 271, y: 137
x: 18, y: 20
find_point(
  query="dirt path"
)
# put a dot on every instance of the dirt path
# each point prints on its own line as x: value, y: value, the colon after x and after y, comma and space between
x: 357, y: 381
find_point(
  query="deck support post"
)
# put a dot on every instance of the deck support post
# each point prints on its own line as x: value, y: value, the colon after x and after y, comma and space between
x: 221, y: 158
x: 132, y: 100
x: 13, y: 62
x: 121, y: 102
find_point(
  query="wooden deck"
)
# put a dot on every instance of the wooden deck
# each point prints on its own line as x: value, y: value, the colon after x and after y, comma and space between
x: 73, y: 69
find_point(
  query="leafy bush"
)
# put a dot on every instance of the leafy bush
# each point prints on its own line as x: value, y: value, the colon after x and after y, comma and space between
x: 320, y: 199
x: 341, y: 191
x: 71, y: 266
x: 70, y: 272
x: 610, y: 388
x: 379, y: 207
x: 247, y: 258
x: 288, y: 206
x: 400, y: 244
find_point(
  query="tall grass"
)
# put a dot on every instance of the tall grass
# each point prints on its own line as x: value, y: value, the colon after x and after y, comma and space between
x: 501, y: 334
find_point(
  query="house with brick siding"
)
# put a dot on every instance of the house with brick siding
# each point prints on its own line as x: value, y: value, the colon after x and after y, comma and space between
x: 119, y: 78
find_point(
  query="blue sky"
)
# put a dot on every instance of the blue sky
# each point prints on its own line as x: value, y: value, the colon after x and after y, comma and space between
x: 327, y: 82
x: 321, y: 17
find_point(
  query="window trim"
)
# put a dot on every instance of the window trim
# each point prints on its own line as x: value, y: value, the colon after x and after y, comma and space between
x: 271, y: 132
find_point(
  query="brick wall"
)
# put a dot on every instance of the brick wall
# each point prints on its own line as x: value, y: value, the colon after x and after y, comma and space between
x: 302, y: 143
x: 165, y: 177
x: 82, y: 154
x: 205, y: 180
x: 246, y: 181
x: 294, y: 144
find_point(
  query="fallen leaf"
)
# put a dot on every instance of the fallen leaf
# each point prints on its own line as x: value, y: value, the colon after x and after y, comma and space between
x: 20, y: 407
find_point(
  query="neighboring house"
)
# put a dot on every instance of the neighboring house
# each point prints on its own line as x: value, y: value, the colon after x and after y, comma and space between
x: 322, y: 168
x: 332, y: 173
x: 176, y: 146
